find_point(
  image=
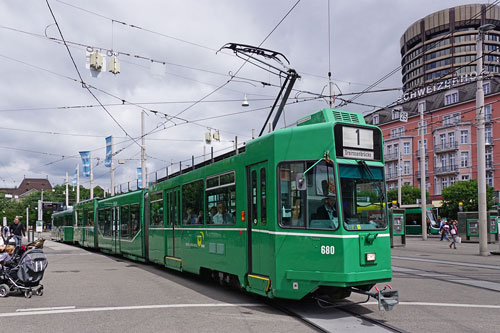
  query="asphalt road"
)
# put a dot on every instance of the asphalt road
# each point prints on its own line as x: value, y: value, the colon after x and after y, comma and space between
x: 441, y: 290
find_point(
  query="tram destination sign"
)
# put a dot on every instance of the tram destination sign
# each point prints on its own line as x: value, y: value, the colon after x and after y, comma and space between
x: 361, y: 143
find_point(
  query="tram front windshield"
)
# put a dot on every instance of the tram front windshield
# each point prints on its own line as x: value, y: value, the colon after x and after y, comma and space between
x: 321, y: 204
x: 363, y: 197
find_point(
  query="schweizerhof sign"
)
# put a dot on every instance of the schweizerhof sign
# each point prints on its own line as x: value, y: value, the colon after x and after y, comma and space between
x: 442, y: 85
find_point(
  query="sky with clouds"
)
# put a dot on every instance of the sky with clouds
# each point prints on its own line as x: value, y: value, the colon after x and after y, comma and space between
x: 171, y: 69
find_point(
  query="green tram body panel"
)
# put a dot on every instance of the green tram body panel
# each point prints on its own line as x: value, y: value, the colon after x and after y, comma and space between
x: 62, y: 226
x: 122, y: 230
x: 84, y: 228
x: 284, y: 262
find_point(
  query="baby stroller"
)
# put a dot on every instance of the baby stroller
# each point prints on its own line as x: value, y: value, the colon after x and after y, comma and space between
x: 24, y: 270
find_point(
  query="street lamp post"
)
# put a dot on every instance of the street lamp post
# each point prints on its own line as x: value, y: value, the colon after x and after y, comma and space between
x: 481, y: 156
x: 423, y: 187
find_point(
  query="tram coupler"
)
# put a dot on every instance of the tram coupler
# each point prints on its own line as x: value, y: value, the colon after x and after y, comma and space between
x: 386, y: 298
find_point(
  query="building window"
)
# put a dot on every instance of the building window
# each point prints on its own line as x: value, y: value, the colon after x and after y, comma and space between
x: 465, y: 177
x: 444, y: 182
x: 488, y: 136
x: 389, y: 150
x: 489, y: 178
x: 375, y: 119
x: 464, y: 137
x: 453, y: 180
x: 396, y: 149
x: 451, y: 138
x: 406, y: 148
x: 394, y: 133
x: 487, y: 112
x: 456, y: 118
x: 453, y: 158
x: 464, y: 159
x: 451, y: 98
x: 395, y: 114
x: 446, y: 120
x: 406, y: 167
x: 486, y: 88
x: 442, y: 140
x: 489, y: 158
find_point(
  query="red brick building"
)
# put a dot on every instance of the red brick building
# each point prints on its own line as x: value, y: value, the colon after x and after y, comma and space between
x: 449, y: 136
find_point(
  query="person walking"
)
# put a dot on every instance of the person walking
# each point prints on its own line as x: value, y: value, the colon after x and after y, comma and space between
x: 17, y: 229
x: 454, y: 234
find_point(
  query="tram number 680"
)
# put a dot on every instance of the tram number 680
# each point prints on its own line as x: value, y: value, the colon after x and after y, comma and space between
x: 325, y: 249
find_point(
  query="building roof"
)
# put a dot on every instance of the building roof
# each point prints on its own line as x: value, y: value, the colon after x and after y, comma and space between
x: 27, y: 185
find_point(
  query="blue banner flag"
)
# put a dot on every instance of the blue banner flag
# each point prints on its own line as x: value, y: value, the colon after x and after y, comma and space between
x: 107, y: 161
x: 86, y: 163
x: 139, y: 177
x: 75, y: 176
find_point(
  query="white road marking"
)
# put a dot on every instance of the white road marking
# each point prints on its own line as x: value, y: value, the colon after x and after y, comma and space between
x: 122, y: 308
x: 447, y: 262
x: 46, y: 309
x: 453, y: 305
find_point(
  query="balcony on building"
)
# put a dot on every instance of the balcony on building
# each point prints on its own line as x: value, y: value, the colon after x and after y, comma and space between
x: 417, y: 152
x: 489, y: 165
x: 488, y: 140
x: 426, y: 173
x: 391, y: 157
x: 447, y: 169
x: 391, y: 176
x: 446, y: 146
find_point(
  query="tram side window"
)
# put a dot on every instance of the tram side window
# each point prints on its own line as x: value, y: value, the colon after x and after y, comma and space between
x: 322, y: 201
x: 85, y: 217
x: 90, y: 218
x: 156, y: 210
x: 104, y: 224
x: 135, y: 220
x: 124, y: 221
x: 68, y: 221
x: 291, y: 200
x: 192, y: 203
x: 221, y: 199
x: 79, y: 218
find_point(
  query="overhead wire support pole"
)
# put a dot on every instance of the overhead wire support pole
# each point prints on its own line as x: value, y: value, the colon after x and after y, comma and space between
x: 423, y: 172
x: 481, y: 158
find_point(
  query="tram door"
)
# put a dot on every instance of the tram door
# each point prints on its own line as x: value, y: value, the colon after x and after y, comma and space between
x: 173, y: 218
x: 259, y: 246
x: 115, y: 246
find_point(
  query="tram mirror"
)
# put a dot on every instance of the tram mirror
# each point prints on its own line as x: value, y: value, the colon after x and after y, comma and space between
x: 301, y: 182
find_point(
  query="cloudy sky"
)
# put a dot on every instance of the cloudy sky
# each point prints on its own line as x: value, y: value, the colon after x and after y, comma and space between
x: 47, y: 117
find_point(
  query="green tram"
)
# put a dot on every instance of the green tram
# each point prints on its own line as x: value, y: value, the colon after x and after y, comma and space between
x: 62, y: 226
x: 84, y: 228
x: 413, y: 218
x: 286, y: 216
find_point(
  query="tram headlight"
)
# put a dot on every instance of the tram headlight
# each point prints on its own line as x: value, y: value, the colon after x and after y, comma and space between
x: 370, y: 257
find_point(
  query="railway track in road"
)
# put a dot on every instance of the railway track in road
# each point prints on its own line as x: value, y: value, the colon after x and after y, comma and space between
x: 334, y: 317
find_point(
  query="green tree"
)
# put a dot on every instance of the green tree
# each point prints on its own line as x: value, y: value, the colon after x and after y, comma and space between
x: 409, y: 195
x: 465, y: 192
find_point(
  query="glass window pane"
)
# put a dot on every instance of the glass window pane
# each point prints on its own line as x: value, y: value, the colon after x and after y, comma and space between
x: 263, y: 198
x: 221, y: 205
x: 291, y: 200
x: 192, y: 203
x: 156, y: 210
x: 322, y: 197
x: 125, y: 221
x: 135, y: 220
x: 227, y: 179
x: 212, y: 182
x: 363, y: 197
